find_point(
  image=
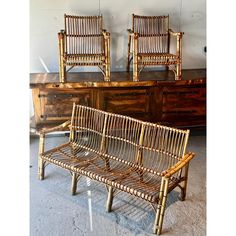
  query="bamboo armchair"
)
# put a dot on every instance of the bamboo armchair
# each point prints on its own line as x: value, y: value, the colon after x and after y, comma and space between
x: 140, y: 158
x: 84, y: 43
x: 149, y: 45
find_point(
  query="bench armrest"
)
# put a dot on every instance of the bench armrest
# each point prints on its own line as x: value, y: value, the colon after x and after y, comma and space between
x: 180, y: 164
x: 60, y: 127
x: 171, y: 32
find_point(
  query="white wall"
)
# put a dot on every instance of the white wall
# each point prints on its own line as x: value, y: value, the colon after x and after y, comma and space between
x: 46, y: 19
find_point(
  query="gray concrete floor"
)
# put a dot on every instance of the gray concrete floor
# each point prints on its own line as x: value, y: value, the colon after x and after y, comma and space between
x: 54, y: 212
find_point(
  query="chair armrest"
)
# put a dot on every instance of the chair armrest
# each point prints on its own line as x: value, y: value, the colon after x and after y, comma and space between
x: 130, y: 31
x: 105, y: 33
x: 132, y: 34
x: 60, y: 127
x: 61, y: 34
x: 171, y: 32
x: 180, y: 164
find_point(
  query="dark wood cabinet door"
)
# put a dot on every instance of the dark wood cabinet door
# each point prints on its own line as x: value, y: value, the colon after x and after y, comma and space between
x: 56, y: 105
x: 184, y: 105
x: 131, y: 102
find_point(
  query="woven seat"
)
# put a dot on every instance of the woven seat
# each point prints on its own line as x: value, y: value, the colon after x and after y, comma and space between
x: 84, y: 43
x: 157, y: 59
x: 142, y: 159
x: 149, y: 45
x: 80, y: 60
x: 122, y: 176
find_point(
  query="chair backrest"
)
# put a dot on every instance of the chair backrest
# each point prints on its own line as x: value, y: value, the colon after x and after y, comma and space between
x: 153, y: 33
x: 83, y: 34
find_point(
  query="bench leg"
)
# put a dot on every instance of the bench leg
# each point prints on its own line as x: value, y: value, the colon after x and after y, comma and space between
x: 109, y: 199
x: 161, y: 207
x: 41, y: 169
x: 184, y: 188
x: 74, y: 183
x: 41, y: 162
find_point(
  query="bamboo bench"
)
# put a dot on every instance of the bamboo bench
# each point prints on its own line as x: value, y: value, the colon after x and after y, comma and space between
x: 140, y: 158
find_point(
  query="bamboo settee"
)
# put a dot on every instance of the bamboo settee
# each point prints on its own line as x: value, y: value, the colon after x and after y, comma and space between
x: 140, y: 158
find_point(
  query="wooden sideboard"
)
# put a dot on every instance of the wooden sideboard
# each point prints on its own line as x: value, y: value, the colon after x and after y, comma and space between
x: 157, y: 97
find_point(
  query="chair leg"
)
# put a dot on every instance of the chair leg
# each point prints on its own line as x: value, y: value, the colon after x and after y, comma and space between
x: 62, y: 72
x: 109, y: 199
x: 161, y: 207
x: 74, y: 183
x: 135, y: 70
x: 128, y: 56
x: 128, y: 64
x: 107, y: 73
x: 135, y: 60
x: 178, y: 74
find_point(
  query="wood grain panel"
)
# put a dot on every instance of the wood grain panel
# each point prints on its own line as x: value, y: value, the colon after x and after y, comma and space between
x: 56, y: 105
x: 131, y: 102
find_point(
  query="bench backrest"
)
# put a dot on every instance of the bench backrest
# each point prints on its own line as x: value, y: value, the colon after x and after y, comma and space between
x: 162, y: 147
x: 154, y: 147
x: 122, y: 137
x: 87, y: 127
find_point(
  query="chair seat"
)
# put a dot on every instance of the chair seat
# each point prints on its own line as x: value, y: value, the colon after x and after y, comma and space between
x: 84, y: 59
x: 157, y: 58
x: 124, y: 177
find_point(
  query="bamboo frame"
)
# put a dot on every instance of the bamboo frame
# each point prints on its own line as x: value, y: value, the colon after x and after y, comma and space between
x: 140, y: 158
x: 149, y: 40
x: 43, y: 132
x: 83, y: 42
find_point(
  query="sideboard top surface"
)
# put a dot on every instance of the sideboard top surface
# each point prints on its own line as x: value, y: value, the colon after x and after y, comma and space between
x: 118, y: 79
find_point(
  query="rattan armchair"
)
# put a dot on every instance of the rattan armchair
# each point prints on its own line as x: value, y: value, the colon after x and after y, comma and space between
x: 84, y: 43
x: 149, y: 45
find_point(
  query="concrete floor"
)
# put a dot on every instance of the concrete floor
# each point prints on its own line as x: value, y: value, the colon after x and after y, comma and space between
x: 54, y: 212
